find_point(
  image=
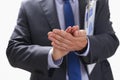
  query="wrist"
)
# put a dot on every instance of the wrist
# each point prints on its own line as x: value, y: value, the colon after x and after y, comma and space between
x: 58, y: 54
x: 82, y: 50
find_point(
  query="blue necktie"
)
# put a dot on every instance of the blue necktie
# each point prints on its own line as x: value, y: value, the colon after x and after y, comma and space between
x: 74, y: 72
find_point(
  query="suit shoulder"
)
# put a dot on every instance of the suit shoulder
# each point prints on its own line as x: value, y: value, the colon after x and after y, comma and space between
x: 103, y: 1
x: 28, y: 2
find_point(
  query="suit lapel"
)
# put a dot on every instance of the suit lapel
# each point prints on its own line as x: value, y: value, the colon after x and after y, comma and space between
x: 49, y: 9
x: 82, y: 5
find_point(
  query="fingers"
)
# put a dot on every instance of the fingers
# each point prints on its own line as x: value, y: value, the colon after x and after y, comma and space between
x: 69, y: 40
x: 75, y: 28
x: 61, y: 35
x: 68, y: 29
x: 82, y: 33
x: 76, y: 33
x: 72, y: 29
x: 59, y: 40
x: 59, y: 46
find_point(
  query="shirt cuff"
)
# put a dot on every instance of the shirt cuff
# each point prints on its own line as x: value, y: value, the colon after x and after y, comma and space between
x: 85, y: 53
x: 51, y: 62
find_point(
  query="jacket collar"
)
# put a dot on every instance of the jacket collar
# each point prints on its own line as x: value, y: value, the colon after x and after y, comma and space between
x: 49, y: 9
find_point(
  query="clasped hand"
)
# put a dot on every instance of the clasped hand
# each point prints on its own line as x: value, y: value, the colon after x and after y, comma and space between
x: 72, y: 39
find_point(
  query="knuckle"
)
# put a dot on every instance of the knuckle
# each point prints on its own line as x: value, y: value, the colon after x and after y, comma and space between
x: 61, y: 39
x: 56, y: 42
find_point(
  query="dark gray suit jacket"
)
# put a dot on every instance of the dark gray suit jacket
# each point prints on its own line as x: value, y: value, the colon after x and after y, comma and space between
x: 29, y: 46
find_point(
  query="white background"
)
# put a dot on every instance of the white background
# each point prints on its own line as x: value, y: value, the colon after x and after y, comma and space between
x: 8, y: 15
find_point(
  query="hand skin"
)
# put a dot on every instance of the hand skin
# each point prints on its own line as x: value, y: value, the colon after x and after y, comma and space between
x: 72, y: 29
x: 72, y: 39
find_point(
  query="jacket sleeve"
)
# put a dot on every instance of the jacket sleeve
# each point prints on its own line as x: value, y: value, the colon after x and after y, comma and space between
x: 104, y: 42
x: 21, y: 52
